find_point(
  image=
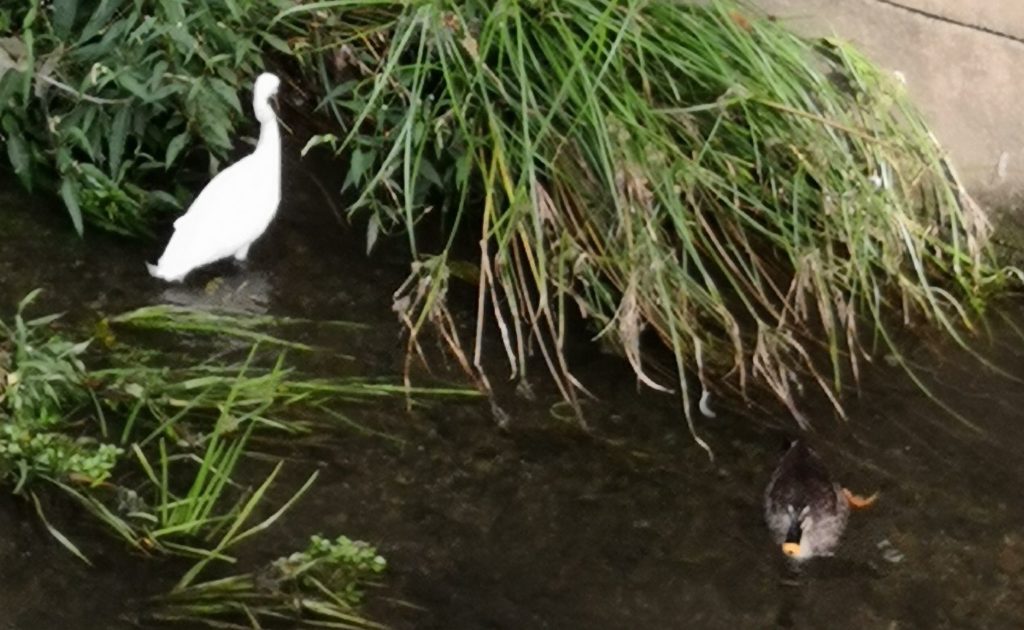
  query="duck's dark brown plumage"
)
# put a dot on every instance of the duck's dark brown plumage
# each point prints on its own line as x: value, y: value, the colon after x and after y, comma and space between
x: 806, y: 511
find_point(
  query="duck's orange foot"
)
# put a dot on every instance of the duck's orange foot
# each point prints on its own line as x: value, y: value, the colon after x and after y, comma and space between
x: 858, y: 502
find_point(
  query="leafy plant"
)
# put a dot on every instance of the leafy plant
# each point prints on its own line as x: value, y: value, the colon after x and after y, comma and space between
x: 41, y: 372
x: 102, y: 101
x: 42, y: 384
x: 152, y: 444
x: 27, y: 453
x: 319, y: 587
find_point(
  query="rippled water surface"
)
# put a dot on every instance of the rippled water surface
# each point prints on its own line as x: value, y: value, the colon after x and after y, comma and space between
x: 541, y: 526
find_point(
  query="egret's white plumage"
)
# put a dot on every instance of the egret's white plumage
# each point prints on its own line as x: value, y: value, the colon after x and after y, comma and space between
x: 236, y: 206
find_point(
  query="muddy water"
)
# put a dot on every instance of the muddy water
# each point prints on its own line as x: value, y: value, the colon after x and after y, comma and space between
x: 540, y: 526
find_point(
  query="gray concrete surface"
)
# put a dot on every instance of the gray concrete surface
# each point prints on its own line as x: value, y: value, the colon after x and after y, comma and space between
x: 969, y: 84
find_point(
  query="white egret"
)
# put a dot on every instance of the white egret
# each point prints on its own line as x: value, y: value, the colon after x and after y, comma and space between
x: 236, y: 206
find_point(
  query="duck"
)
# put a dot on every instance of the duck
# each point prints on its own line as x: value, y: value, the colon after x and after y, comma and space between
x: 805, y: 510
x: 236, y: 207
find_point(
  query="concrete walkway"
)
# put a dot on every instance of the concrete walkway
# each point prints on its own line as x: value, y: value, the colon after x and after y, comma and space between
x: 969, y: 83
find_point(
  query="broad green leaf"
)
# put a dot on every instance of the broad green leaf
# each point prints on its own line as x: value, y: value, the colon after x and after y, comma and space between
x: 69, y: 194
x: 77, y: 137
x: 160, y: 197
x: 277, y: 43
x: 227, y: 94
x: 167, y: 90
x: 100, y: 17
x: 64, y: 12
x: 63, y: 158
x: 27, y: 76
x: 357, y: 167
x: 428, y: 172
x: 9, y: 84
x: 18, y: 151
x: 187, y: 45
x: 207, y: 114
x: 174, y: 10
x: 372, y: 232
x: 30, y: 17
x: 174, y: 147
x: 233, y: 7
x: 134, y: 86
x: 118, y: 138
x: 463, y: 168
x: 159, y: 70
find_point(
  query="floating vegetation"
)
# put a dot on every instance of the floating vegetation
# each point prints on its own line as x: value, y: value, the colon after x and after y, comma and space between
x: 41, y: 377
x: 160, y: 453
x: 181, y: 319
x: 319, y: 587
x: 766, y: 205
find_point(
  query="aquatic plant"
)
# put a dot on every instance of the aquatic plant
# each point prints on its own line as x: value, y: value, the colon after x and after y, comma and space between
x: 152, y: 443
x: 321, y: 586
x: 765, y: 204
x: 41, y: 372
x: 42, y: 390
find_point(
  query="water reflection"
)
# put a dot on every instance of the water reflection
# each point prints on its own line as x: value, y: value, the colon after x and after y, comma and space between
x: 235, y: 290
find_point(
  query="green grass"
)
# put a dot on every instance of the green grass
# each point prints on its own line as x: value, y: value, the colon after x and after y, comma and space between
x: 322, y: 586
x: 769, y: 206
x: 159, y: 446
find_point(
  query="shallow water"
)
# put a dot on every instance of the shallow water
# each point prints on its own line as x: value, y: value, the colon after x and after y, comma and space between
x: 539, y: 525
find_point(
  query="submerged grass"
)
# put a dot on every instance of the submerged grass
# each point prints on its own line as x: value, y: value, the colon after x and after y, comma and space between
x: 322, y: 585
x: 251, y: 328
x: 768, y: 205
x: 158, y: 446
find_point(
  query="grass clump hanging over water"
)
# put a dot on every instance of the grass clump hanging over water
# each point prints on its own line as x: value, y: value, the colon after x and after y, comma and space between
x: 767, y: 205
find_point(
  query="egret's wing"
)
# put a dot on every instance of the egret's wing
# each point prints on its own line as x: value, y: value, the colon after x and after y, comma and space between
x: 226, y: 216
x: 220, y: 194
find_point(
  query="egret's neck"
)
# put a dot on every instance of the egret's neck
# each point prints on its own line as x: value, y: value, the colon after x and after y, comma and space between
x: 270, y: 136
x: 268, y: 149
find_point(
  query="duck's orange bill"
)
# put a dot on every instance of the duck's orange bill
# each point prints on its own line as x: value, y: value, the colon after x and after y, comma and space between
x: 791, y: 549
x: 857, y: 502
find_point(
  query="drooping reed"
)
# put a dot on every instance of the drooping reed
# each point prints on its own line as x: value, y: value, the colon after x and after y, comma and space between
x: 764, y: 203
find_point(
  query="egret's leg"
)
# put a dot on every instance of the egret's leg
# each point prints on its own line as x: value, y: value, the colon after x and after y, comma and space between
x: 241, y: 254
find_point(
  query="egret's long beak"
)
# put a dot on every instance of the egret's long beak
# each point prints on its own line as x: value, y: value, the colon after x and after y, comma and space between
x: 275, y: 105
